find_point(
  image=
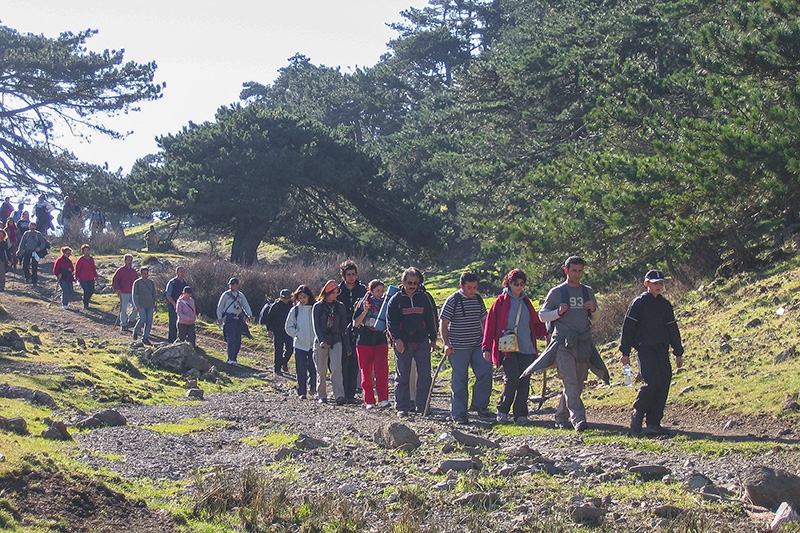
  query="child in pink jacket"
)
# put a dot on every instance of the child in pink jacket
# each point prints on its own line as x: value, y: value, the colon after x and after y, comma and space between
x: 187, y: 313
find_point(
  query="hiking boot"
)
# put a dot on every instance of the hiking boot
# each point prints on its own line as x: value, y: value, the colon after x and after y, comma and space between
x: 340, y: 401
x: 563, y: 424
x: 484, y: 412
x: 384, y: 404
x: 402, y: 414
x: 502, y: 418
x: 147, y: 342
x: 636, y: 423
x: 285, y: 368
x: 581, y: 426
x: 658, y: 429
x: 322, y: 400
x: 461, y: 420
x: 521, y: 421
x: 232, y: 362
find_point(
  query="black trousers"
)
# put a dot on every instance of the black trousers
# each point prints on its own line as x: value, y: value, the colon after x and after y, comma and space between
x: 31, y: 268
x: 656, y: 373
x: 173, y: 323
x: 284, y: 345
x: 515, y: 388
x: 88, y: 291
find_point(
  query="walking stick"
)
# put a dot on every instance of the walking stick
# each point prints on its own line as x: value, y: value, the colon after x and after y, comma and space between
x: 433, y: 383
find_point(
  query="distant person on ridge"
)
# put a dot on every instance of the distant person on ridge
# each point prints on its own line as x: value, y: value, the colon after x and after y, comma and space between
x: 43, y: 212
x: 6, y: 210
x: 651, y: 328
x: 151, y: 239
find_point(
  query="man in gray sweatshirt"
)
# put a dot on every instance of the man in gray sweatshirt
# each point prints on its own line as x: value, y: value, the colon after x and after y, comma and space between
x: 144, y: 299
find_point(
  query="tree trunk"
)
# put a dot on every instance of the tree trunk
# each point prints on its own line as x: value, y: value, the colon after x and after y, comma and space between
x: 247, y: 237
x: 741, y: 255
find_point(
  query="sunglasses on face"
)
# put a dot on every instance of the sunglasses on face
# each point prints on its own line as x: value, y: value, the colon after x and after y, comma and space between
x: 518, y: 283
x: 412, y: 283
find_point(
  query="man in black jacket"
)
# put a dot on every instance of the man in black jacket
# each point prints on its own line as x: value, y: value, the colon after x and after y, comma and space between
x: 351, y: 290
x: 276, y: 329
x: 651, y: 328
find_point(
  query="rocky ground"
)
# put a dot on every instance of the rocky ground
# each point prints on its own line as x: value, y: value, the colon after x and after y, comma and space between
x: 341, y: 456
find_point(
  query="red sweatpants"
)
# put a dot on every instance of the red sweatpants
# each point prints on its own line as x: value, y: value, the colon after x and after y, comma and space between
x: 374, y: 358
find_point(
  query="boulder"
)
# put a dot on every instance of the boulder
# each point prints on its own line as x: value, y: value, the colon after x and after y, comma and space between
x: 783, y: 515
x: 178, y: 357
x: 394, y: 435
x: 650, y: 472
x: 109, y: 417
x: 304, y: 442
x: 24, y: 393
x: 769, y: 487
x: 17, y: 425
x: 456, y: 465
x: 587, y: 514
x: 195, y: 393
x: 57, y: 431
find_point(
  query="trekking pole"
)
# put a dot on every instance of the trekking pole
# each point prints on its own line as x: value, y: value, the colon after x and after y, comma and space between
x: 433, y: 383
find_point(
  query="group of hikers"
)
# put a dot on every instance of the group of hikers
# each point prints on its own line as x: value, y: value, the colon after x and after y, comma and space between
x: 348, y: 327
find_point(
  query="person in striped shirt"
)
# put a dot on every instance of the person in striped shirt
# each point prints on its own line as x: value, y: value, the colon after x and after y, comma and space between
x: 462, y: 320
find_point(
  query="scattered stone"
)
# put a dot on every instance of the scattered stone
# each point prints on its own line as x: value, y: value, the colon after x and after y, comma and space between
x: 784, y: 355
x: 445, y: 484
x: 684, y: 390
x: 479, y: 498
x: 394, y: 435
x: 725, y: 347
x: 753, y: 323
x: 769, y: 488
x: 195, y: 393
x: 587, y: 514
x: 346, y: 489
x: 13, y: 340
x: 191, y: 383
x: 522, y: 451
x: 730, y: 424
x: 57, y: 431
x: 80, y: 342
x: 285, y: 452
x: 2, y: 458
x: 668, y: 511
x: 471, y: 440
x: 457, y: 465
x: 304, y: 442
x: 791, y: 405
x: 508, y: 470
x: 785, y: 514
x: 697, y: 481
x: 650, y: 472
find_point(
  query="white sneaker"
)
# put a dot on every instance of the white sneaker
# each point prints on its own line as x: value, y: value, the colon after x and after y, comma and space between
x: 384, y: 404
x: 369, y: 406
x: 231, y: 362
x: 65, y: 307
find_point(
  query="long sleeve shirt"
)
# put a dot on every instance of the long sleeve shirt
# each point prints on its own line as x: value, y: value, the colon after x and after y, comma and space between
x: 650, y: 321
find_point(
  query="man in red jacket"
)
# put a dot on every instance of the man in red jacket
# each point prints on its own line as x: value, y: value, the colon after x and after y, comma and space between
x: 123, y: 284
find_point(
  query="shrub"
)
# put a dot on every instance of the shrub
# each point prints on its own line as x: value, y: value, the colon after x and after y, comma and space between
x: 209, y: 277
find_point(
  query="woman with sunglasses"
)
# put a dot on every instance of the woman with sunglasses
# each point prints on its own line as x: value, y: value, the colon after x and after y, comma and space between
x: 513, y: 312
x: 330, y: 327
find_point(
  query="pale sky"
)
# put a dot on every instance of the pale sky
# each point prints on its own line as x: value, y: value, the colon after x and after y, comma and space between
x: 205, y: 50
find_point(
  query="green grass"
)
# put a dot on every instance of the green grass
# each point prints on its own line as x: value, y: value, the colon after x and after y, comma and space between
x: 272, y: 440
x: 191, y: 425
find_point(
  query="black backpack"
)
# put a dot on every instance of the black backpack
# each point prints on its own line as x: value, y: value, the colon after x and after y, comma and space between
x: 262, y: 315
x: 551, y: 326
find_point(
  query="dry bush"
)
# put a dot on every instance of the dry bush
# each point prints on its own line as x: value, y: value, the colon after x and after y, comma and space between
x: 107, y: 242
x: 615, y: 301
x: 209, y: 277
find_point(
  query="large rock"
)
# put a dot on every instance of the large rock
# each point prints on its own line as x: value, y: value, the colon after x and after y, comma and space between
x: 179, y: 357
x: 17, y: 425
x: 396, y: 435
x: 57, y: 431
x: 769, y: 488
x: 109, y: 417
x: 472, y: 440
x: 24, y: 393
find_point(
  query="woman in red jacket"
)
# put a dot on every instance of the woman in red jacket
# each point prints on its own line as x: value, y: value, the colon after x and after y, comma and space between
x: 64, y: 270
x: 86, y: 274
x: 513, y: 312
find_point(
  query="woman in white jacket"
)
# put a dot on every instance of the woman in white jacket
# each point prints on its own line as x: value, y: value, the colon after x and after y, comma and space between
x: 299, y: 324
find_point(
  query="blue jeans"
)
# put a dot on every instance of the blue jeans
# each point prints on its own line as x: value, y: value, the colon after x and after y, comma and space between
x: 146, y: 320
x: 461, y: 361
x: 66, y: 291
x: 125, y: 301
x: 421, y: 353
x: 232, y: 330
